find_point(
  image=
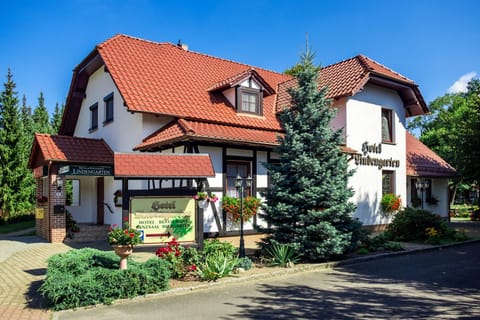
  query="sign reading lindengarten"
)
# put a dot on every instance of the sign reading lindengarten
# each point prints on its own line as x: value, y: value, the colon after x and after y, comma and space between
x: 160, y: 219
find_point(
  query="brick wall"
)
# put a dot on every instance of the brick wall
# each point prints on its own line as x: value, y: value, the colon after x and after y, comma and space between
x: 41, y: 224
x: 57, y: 220
x: 53, y: 225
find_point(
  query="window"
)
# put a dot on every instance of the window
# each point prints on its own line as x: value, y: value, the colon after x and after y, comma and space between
x: 72, y: 192
x: 108, y: 108
x: 249, y: 100
x: 387, y: 132
x: 413, y: 191
x: 388, y: 182
x: 94, y: 117
x: 234, y: 168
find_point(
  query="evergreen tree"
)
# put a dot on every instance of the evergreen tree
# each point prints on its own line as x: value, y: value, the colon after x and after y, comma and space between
x: 41, y: 117
x: 12, y: 164
x: 28, y: 182
x: 57, y: 118
x: 308, y: 204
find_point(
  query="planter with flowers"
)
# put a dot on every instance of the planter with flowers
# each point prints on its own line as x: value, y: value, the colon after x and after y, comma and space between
x: 231, y: 206
x: 122, y: 241
x: 390, y: 204
x: 203, y: 199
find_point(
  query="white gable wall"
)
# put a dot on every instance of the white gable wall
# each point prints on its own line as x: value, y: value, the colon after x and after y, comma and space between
x: 363, y: 123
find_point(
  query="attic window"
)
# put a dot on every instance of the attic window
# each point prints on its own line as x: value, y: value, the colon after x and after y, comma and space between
x: 108, y: 108
x: 249, y: 100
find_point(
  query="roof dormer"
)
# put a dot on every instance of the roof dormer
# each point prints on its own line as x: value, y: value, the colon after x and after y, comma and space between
x: 245, y: 91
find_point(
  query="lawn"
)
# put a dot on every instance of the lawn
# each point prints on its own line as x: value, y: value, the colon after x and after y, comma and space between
x: 7, y: 228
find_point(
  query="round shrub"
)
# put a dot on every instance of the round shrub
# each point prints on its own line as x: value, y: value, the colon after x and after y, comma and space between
x: 410, y: 224
x: 89, y: 276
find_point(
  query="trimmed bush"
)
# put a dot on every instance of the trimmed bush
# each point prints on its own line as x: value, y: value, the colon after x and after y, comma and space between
x: 412, y: 224
x: 89, y: 276
x: 216, y: 247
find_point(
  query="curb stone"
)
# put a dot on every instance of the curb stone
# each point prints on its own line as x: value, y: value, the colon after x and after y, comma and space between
x: 274, y: 274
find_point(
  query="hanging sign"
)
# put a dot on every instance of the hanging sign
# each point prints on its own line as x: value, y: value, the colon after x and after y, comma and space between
x: 160, y: 219
x: 76, y: 170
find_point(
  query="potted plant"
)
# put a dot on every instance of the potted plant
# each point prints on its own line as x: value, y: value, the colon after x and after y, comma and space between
x: 390, y: 203
x: 122, y: 241
x: 203, y: 199
x: 231, y: 205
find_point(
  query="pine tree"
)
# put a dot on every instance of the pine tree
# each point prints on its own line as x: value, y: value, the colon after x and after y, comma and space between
x: 57, y: 118
x: 308, y: 204
x: 41, y: 117
x: 28, y: 182
x: 12, y: 164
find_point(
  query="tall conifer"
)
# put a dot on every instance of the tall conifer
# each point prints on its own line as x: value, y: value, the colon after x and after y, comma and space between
x: 57, y: 118
x: 40, y: 117
x: 12, y: 168
x: 308, y: 204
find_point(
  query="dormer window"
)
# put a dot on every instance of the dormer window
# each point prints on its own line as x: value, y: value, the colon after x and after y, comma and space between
x: 249, y: 100
x: 245, y: 91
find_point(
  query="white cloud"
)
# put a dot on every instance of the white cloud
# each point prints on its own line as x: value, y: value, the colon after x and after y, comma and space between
x: 461, y: 84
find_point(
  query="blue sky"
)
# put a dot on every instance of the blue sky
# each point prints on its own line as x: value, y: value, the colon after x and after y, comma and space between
x: 433, y: 42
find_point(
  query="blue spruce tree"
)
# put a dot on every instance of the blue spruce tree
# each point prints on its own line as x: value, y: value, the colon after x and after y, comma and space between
x: 308, y: 204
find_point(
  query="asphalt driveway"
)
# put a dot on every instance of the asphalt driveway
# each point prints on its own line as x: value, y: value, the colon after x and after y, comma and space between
x: 436, y: 284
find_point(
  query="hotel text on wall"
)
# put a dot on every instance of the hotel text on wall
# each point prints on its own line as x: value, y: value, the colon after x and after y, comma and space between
x: 364, y: 159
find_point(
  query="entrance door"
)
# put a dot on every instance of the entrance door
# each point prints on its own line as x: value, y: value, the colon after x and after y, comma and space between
x: 100, y: 201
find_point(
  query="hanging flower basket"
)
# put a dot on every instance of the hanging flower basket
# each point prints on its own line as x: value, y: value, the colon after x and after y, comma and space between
x: 203, y: 199
x: 231, y: 206
x: 390, y: 204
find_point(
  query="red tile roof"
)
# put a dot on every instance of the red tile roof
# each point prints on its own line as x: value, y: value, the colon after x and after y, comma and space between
x: 163, y: 165
x: 423, y: 162
x: 69, y: 149
x: 192, y: 130
x: 346, y: 78
x: 165, y: 79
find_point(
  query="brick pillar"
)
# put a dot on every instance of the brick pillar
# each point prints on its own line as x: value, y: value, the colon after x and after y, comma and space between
x: 41, y: 225
x: 57, y: 220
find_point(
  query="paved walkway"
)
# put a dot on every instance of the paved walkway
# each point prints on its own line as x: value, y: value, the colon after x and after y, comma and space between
x: 23, y: 262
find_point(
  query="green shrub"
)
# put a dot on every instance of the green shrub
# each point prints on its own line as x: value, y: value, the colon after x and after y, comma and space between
x: 393, y: 246
x: 281, y: 254
x: 217, y: 247
x: 215, y: 267
x: 245, y: 263
x: 410, y: 224
x: 362, y: 251
x: 88, y: 277
x: 181, y: 261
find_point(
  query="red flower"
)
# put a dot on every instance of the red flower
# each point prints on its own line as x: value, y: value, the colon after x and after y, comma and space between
x: 132, y: 235
x: 125, y: 219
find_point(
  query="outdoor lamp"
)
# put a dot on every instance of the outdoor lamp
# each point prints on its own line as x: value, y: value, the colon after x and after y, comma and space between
x: 239, y: 185
x: 422, y: 185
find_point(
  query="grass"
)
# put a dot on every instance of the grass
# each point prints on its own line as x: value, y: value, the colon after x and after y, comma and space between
x: 7, y: 228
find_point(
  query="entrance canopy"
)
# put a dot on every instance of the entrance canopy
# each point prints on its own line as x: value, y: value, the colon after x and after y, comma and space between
x: 93, y: 157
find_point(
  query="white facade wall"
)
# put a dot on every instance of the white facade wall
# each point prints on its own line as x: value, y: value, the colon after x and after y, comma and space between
x: 363, y: 123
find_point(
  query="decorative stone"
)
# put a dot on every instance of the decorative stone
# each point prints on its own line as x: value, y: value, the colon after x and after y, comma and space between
x: 238, y: 270
x: 289, y: 265
x: 123, y: 251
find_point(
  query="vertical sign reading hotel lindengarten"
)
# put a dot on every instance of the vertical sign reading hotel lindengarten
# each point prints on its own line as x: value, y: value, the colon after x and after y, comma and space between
x: 160, y: 219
